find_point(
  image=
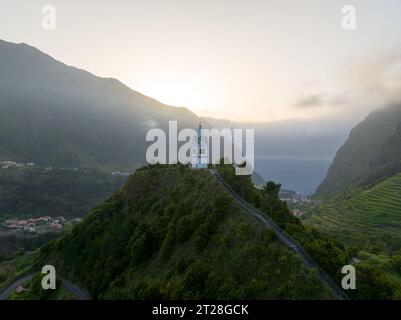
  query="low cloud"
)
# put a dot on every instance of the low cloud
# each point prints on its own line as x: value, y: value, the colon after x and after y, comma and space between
x: 366, y: 84
x: 151, y: 123
x: 320, y: 100
x: 312, y: 101
x: 377, y: 80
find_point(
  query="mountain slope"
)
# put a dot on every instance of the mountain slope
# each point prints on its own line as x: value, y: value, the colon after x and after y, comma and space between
x: 361, y: 198
x: 372, y: 152
x: 54, y: 114
x: 59, y: 116
x: 369, y: 217
x: 284, y: 237
x: 173, y: 232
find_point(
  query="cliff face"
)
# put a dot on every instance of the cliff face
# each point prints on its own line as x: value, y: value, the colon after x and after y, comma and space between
x: 371, y: 153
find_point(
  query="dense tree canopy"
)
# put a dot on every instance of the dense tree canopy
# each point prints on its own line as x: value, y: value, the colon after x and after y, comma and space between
x: 173, y: 233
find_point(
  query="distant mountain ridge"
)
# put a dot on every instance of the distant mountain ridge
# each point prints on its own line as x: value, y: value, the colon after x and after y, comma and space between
x: 54, y: 114
x: 371, y: 153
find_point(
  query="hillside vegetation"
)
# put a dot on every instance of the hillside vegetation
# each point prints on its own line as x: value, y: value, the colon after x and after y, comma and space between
x: 367, y: 220
x: 375, y: 280
x: 174, y: 233
x: 369, y: 217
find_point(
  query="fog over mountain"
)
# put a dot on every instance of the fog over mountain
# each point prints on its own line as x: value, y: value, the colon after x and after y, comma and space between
x: 54, y: 114
x: 296, y: 153
x: 371, y: 153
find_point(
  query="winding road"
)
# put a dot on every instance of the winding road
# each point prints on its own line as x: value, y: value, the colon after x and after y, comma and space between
x: 78, y: 293
x: 285, y: 238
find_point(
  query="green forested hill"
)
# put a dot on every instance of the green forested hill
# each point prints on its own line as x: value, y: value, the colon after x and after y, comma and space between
x: 174, y: 233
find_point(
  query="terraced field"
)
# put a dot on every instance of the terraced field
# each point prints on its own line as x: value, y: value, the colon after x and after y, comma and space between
x: 372, y: 216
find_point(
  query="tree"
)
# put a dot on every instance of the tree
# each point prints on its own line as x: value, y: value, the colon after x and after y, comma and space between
x: 371, y: 284
x: 272, y: 189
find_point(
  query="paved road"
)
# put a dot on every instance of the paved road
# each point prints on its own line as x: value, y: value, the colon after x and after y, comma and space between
x: 78, y: 293
x: 282, y: 236
x: 20, y: 280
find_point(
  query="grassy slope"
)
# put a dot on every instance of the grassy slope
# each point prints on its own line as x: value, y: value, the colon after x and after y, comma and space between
x: 368, y: 221
x: 369, y: 216
x: 174, y: 233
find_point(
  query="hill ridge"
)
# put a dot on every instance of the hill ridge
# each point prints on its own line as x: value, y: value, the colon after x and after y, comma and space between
x: 283, y: 237
x: 176, y: 233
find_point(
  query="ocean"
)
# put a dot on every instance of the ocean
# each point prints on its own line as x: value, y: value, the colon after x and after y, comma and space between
x: 301, y: 175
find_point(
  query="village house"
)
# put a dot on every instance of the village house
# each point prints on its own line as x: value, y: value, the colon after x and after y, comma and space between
x: 60, y: 219
x: 11, y: 224
x: 29, y: 229
x: 297, y: 213
x: 20, y: 289
x: 22, y: 222
x: 56, y: 226
x: 29, y: 225
x: 43, y: 219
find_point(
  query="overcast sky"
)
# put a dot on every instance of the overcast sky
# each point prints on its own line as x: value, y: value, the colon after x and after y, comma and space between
x: 241, y: 60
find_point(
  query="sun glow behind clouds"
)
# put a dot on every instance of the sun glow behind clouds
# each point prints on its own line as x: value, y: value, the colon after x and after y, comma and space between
x: 226, y: 59
x: 182, y: 89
